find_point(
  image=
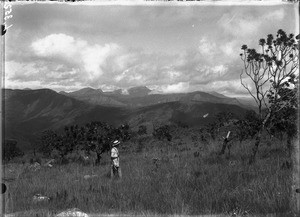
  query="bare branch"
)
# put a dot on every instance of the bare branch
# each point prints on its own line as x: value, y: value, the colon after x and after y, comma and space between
x: 246, y: 87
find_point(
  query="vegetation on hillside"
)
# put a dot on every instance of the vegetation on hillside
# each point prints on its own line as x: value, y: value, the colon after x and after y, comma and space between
x: 81, y: 141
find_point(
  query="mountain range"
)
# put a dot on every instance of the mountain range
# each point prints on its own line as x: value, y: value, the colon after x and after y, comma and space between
x: 27, y: 113
x: 141, y: 96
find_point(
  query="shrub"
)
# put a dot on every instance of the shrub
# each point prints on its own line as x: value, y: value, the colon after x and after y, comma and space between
x: 162, y: 132
x: 10, y: 150
x: 142, y: 130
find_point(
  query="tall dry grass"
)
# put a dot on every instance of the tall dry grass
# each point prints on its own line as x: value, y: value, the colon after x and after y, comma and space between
x: 164, y: 178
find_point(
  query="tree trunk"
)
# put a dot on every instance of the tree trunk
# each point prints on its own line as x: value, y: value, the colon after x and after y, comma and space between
x: 98, y: 159
x: 224, y: 146
x: 258, y: 139
x: 256, y: 145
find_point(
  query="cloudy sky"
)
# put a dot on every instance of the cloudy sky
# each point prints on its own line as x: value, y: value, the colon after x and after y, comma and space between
x: 166, y: 48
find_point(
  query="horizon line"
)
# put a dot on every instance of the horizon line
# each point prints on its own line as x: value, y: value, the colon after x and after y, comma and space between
x: 110, y: 91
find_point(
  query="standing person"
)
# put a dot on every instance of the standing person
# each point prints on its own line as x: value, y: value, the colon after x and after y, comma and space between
x: 115, y: 161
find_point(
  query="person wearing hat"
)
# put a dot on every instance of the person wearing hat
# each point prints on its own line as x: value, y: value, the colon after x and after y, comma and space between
x: 115, y: 161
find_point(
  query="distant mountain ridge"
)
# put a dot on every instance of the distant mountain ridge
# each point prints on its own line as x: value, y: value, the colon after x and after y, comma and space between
x: 139, y: 91
x: 218, y: 94
x: 93, y: 96
x: 140, y: 97
x: 27, y: 113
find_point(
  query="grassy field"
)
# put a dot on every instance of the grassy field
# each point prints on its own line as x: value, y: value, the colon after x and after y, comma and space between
x: 183, y: 177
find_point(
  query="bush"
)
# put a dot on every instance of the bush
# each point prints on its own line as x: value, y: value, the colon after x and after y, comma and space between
x: 142, y: 130
x: 162, y: 132
x: 10, y: 150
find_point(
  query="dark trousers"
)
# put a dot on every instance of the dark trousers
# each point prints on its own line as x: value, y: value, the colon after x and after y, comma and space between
x: 115, y: 172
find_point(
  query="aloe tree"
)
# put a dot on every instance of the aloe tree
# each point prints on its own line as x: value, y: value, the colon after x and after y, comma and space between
x: 271, y: 72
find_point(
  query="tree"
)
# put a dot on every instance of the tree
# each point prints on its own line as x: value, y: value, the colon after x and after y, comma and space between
x: 98, y: 138
x: 93, y: 137
x: 270, y: 71
x: 49, y: 141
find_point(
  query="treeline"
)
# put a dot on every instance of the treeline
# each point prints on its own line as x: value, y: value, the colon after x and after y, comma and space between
x: 94, y: 137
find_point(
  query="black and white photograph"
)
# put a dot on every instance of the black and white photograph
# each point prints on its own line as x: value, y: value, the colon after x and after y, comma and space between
x: 150, y: 108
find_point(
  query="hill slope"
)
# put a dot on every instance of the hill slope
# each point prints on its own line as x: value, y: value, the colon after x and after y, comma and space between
x: 27, y: 113
x: 30, y: 112
x: 191, y: 114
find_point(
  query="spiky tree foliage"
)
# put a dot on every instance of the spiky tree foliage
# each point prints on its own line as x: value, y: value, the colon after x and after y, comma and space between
x: 270, y: 72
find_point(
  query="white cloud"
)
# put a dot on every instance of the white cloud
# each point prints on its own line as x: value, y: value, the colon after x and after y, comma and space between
x: 90, y: 58
x: 58, y: 44
x: 107, y: 88
x: 18, y: 71
x: 121, y: 76
x: 120, y: 47
x: 65, y: 62
x: 220, y: 70
x: 122, y: 61
x: 230, y: 49
x: 53, y: 75
x: 173, y: 75
x: 223, y: 85
x: 23, y: 84
x: 95, y: 57
x: 207, y: 47
x: 230, y: 87
x: 219, y: 51
x: 176, y: 88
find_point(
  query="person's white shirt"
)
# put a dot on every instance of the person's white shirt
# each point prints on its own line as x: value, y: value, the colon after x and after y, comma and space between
x: 115, y: 156
x: 114, y: 152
